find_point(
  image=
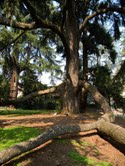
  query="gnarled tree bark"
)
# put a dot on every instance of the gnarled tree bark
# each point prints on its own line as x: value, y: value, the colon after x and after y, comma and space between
x: 70, y: 100
x: 14, y: 84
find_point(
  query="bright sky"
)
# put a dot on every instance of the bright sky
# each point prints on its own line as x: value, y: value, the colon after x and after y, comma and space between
x: 45, y: 78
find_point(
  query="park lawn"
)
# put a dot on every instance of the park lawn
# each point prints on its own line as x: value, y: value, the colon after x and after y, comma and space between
x: 14, y: 135
x: 22, y: 112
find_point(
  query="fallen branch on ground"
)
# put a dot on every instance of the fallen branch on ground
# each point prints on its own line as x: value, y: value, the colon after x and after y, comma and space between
x: 113, y: 131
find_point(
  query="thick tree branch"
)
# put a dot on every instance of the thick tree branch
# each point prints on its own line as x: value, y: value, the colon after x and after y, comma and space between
x: 18, y: 25
x: 34, y: 25
x: 65, y: 7
x: 45, y: 23
x: 98, y: 97
x: 40, y: 92
x: 99, y: 12
x: 38, y: 23
x: 100, y: 100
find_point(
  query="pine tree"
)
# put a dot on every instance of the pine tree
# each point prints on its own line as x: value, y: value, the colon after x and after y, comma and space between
x: 66, y: 22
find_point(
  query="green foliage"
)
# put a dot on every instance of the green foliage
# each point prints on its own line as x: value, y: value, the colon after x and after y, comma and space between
x: 108, y: 86
x: 116, y: 90
x: 36, y: 47
x: 5, y: 37
x: 29, y: 57
x: 101, y: 78
x: 100, y: 34
x: 97, y: 38
x: 14, y: 135
x: 29, y: 81
x: 31, y: 84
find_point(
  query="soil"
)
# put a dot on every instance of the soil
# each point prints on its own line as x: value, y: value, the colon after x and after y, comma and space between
x: 56, y: 152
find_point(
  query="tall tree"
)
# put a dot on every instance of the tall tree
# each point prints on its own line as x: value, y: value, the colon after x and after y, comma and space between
x: 23, y: 51
x: 69, y: 27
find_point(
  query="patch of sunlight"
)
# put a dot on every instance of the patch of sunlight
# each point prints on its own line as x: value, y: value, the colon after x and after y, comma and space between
x: 81, y: 144
x: 79, y: 159
x: 14, y: 135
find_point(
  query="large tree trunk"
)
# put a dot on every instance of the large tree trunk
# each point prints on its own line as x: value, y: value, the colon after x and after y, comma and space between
x: 115, y: 132
x: 14, y: 84
x: 71, y: 102
x: 15, y: 73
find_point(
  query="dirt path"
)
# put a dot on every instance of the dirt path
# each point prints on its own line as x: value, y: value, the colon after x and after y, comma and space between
x: 57, y: 153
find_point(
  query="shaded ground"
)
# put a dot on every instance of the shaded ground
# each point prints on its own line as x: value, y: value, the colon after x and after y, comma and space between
x: 57, y: 153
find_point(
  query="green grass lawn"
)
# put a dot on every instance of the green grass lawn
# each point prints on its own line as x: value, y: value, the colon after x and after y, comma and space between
x: 19, y: 112
x: 14, y: 135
